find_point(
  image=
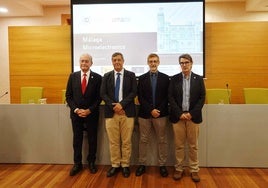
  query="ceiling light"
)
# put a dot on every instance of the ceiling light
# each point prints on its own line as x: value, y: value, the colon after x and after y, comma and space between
x: 3, y: 10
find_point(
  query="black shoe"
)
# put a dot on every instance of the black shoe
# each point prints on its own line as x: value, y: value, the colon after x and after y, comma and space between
x: 112, y: 171
x: 76, y: 169
x: 140, y: 170
x: 92, y: 168
x: 126, y: 172
x: 163, y: 171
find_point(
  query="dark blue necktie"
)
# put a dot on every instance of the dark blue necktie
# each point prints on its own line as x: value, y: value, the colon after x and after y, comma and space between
x: 153, y: 79
x: 117, y: 86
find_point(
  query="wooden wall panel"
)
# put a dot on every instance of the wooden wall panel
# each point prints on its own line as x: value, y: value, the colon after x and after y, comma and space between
x: 236, y: 53
x: 53, y: 86
x: 39, y: 56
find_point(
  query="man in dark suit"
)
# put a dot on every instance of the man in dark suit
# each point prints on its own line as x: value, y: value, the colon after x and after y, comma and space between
x: 186, y: 97
x: 118, y: 91
x: 83, y: 98
x: 153, y: 112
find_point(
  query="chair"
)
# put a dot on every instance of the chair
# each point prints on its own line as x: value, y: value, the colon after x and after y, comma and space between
x: 218, y: 96
x: 63, y: 98
x: 256, y: 95
x: 31, y: 95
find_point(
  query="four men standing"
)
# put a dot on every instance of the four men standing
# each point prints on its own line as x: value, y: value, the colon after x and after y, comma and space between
x: 185, y: 94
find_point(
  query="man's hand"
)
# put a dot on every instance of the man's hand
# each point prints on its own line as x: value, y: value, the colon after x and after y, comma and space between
x: 118, y: 109
x: 155, y: 113
x: 186, y: 116
x: 83, y: 112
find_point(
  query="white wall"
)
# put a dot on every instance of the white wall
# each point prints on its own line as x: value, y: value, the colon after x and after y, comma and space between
x: 52, y: 16
x: 214, y: 12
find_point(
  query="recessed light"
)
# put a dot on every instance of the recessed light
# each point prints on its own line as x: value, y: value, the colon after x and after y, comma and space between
x: 3, y: 10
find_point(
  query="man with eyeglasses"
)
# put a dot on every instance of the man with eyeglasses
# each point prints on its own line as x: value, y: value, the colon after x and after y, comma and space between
x: 153, y: 112
x: 186, y: 98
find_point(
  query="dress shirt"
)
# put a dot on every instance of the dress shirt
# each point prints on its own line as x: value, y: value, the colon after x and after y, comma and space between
x: 186, y: 92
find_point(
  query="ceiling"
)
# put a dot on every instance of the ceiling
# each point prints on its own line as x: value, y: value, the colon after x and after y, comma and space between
x: 250, y: 5
x: 18, y: 8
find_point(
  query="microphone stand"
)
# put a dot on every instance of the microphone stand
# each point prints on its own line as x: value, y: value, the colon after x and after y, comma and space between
x: 229, y: 97
x: 3, y: 94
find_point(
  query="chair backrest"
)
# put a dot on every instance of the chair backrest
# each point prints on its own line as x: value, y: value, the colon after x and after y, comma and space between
x: 31, y: 95
x: 218, y: 96
x: 63, y: 98
x: 256, y: 95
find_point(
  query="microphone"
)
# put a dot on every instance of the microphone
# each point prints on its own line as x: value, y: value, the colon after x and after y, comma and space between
x: 4, y: 94
x: 228, y: 93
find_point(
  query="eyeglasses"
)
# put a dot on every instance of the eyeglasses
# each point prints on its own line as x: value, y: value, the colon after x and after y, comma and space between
x: 185, y: 63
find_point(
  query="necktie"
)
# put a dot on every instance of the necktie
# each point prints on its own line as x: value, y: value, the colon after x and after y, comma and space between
x: 153, y: 79
x: 84, y: 83
x: 117, y: 86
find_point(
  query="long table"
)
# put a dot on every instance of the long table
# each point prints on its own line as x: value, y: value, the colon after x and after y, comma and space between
x: 230, y: 136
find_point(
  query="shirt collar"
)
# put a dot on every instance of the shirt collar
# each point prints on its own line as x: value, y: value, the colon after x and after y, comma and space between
x: 88, y: 73
x: 153, y: 73
x: 121, y: 72
x: 187, y: 77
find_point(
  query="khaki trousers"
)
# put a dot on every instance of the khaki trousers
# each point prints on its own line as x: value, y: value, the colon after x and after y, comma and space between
x: 186, y: 132
x: 119, y: 130
x: 146, y: 127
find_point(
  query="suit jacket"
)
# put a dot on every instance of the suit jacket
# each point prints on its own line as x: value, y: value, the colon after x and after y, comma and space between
x: 197, y: 97
x: 91, y: 98
x: 129, y: 93
x: 146, y: 98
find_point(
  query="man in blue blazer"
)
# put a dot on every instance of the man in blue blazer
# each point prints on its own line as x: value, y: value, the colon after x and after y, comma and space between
x: 186, y: 98
x: 83, y: 98
x: 118, y: 91
x: 153, y: 112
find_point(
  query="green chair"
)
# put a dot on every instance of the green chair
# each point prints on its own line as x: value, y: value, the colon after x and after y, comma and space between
x: 31, y: 95
x: 63, y: 98
x: 256, y: 95
x: 218, y: 96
